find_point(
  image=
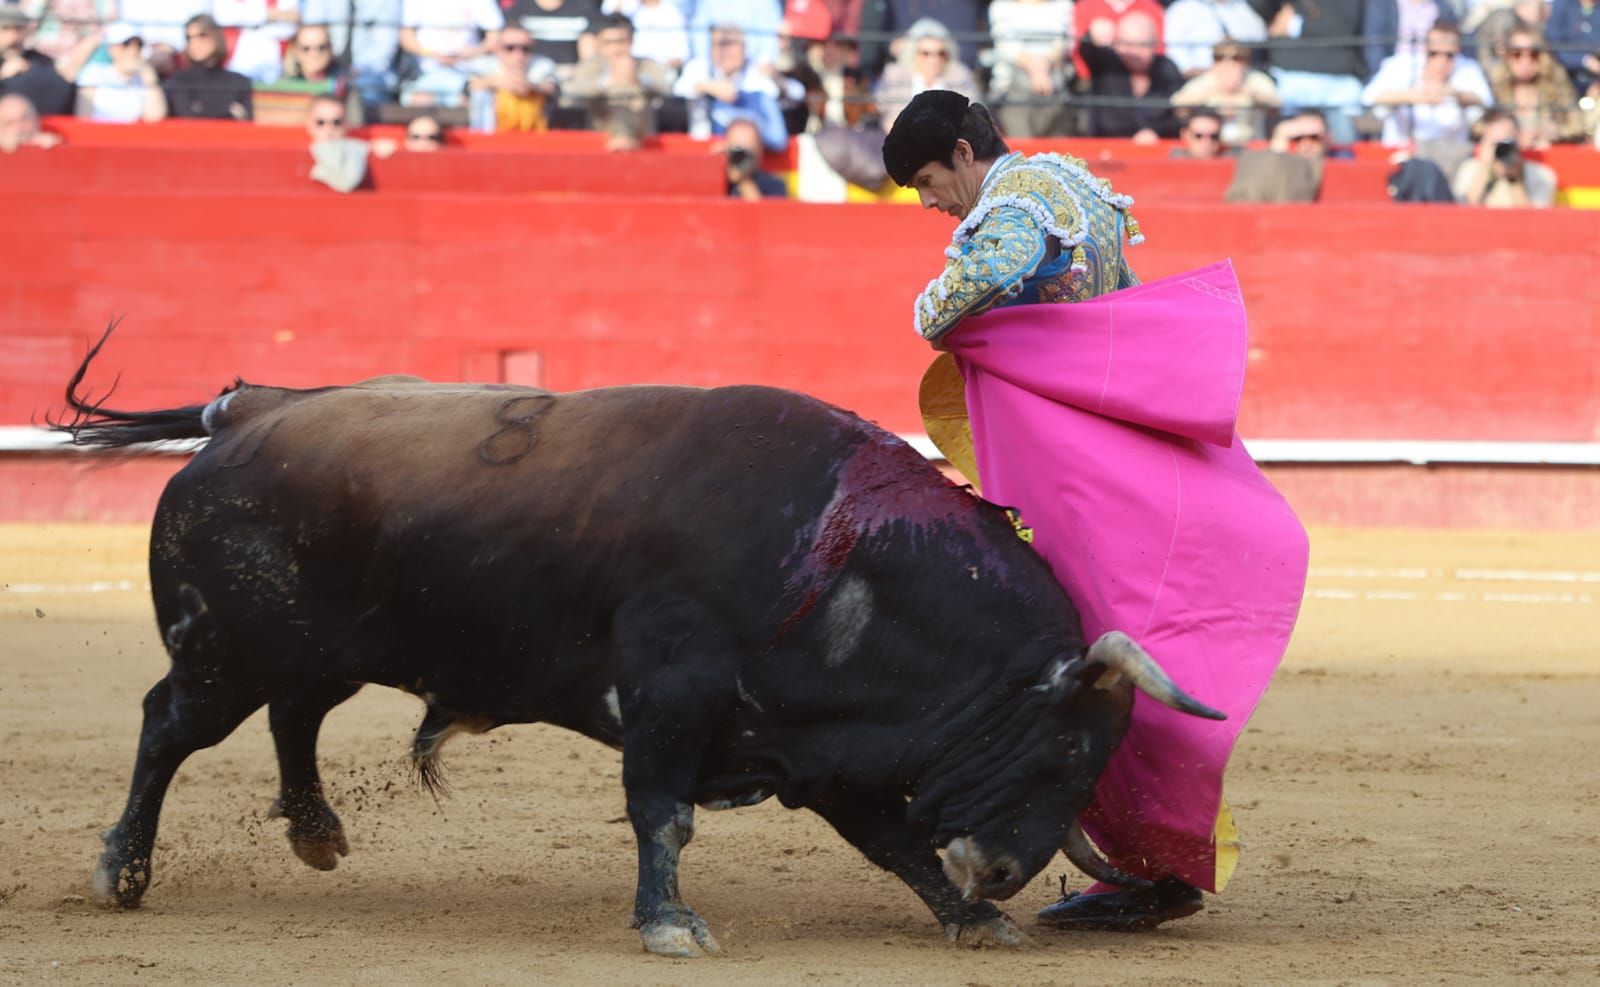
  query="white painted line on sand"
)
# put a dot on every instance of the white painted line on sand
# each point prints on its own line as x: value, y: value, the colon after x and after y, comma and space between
x: 1476, y: 575
x: 98, y: 586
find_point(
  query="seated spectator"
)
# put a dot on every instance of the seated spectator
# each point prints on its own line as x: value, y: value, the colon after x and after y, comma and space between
x: 19, y: 125
x: 1097, y: 21
x: 515, y: 90
x: 758, y: 22
x: 660, y: 30
x: 727, y: 86
x: 125, y: 89
x: 26, y: 72
x: 1536, y: 88
x: 879, y: 19
x: 742, y: 147
x: 1317, y: 61
x: 1239, y: 94
x: 929, y: 59
x: 444, y: 39
x: 836, y: 94
x: 1574, y: 35
x: 257, y: 31
x: 1400, y: 27
x: 205, y: 89
x: 1497, y: 175
x: 1195, y: 28
x: 339, y: 160
x: 1489, y: 21
x: 1032, y: 66
x: 310, y: 59
x: 1201, y: 135
x: 425, y: 134
x: 1290, y: 170
x: 1127, y: 71
x: 620, y: 89
x: 369, y: 32
x: 62, y: 25
x: 1436, y: 97
x: 563, y: 29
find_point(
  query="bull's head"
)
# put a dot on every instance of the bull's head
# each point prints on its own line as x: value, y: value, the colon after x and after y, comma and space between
x: 1035, y: 799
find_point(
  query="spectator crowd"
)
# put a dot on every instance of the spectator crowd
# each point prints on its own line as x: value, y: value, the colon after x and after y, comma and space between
x: 1434, y: 79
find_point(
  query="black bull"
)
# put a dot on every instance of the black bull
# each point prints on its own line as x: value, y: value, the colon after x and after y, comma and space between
x: 749, y: 592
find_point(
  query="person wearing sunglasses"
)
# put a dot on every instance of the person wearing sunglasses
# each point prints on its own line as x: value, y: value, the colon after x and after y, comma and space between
x: 1436, y: 96
x: 1201, y: 137
x: 1128, y: 505
x: 1237, y: 93
x: 1534, y: 86
x: 1194, y: 29
x: 425, y: 134
x: 339, y: 160
x: 929, y: 59
x: 205, y: 89
x: 515, y: 92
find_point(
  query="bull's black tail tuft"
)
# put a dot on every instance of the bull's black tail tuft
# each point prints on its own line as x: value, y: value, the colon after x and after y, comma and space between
x: 91, y: 423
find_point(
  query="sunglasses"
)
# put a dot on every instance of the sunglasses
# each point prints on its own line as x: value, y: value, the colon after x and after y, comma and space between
x: 434, y: 137
x: 1442, y: 54
x: 516, y: 49
x: 1229, y: 58
x: 1313, y: 138
x: 932, y: 53
x: 1524, y: 52
x: 328, y: 122
x: 316, y: 47
x: 1205, y: 135
x: 198, y: 37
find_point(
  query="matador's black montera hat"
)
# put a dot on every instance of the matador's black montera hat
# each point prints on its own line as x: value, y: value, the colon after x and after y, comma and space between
x: 926, y: 130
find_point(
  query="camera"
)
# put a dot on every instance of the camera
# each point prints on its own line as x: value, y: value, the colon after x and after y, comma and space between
x: 741, y: 159
x: 1506, y: 151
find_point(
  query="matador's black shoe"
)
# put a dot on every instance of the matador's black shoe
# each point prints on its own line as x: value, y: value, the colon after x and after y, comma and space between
x: 1123, y: 911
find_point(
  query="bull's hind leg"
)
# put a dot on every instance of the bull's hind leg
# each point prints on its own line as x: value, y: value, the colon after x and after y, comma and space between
x: 181, y: 715
x: 879, y: 830
x: 315, y: 832
x: 677, y: 668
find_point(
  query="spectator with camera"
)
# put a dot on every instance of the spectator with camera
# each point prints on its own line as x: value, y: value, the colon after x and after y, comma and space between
x: 742, y: 149
x: 125, y: 89
x: 1498, y: 176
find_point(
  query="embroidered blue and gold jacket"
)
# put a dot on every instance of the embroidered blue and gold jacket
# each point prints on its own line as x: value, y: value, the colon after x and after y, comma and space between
x: 1043, y: 230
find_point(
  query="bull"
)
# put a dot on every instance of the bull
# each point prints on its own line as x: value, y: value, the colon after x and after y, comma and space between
x: 750, y: 593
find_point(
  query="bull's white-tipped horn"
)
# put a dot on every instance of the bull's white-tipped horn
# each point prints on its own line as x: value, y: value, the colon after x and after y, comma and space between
x: 1084, y: 857
x: 1118, y: 651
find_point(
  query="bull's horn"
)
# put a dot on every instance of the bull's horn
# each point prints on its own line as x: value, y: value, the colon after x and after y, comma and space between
x: 1087, y: 859
x: 1117, y: 651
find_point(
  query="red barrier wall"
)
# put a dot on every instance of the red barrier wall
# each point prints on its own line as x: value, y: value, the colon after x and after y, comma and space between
x: 1378, y: 321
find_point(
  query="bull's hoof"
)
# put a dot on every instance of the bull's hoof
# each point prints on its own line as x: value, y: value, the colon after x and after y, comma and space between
x: 678, y: 932
x: 1124, y: 911
x: 315, y: 833
x: 320, y: 851
x: 998, y: 930
x: 118, y: 884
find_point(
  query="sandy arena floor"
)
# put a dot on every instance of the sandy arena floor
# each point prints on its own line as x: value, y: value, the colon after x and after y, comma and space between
x: 1419, y: 795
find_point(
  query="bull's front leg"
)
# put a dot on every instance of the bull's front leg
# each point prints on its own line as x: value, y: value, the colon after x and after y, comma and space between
x: 663, y: 826
x: 878, y: 828
x: 676, y: 669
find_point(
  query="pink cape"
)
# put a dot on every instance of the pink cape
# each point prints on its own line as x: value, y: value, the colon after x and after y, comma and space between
x: 1109, y: 424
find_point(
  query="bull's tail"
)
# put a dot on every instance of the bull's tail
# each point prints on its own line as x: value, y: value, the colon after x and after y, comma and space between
x: 91, y: 423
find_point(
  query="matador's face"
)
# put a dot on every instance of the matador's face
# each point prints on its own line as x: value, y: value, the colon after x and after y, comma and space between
x: 952, y: 188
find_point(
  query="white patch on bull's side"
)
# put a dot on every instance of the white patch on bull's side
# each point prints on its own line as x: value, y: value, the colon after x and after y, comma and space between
x: 846, y: 619
x: 208, y: 417
x: 614, y: 706
x: 745, y: 697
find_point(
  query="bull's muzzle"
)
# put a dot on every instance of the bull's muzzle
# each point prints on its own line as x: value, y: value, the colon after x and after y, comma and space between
x: 972, y: 870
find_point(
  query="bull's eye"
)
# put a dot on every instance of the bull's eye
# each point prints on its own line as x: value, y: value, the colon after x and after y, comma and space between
x: 1000, y: 875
